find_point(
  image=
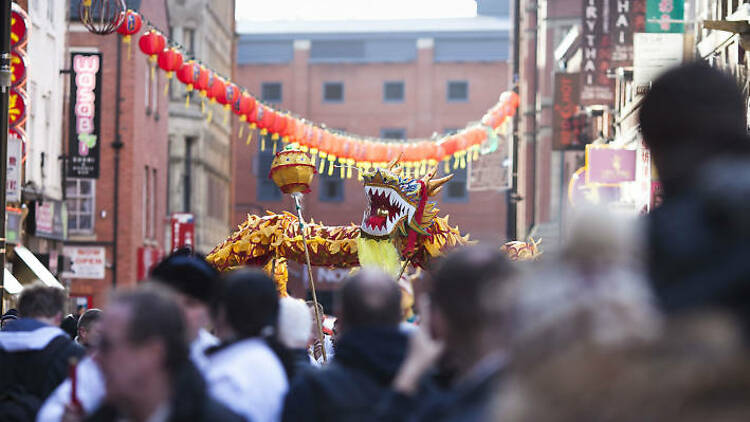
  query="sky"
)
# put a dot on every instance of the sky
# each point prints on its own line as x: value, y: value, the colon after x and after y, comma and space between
x: 264, y: 10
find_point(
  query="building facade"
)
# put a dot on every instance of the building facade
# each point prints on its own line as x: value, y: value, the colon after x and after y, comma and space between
x: 119, y: 215
x: 386, y: 79
x: 200, y: 150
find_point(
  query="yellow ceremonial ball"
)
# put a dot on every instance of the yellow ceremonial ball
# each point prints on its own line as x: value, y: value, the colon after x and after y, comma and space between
x: 292, y: 171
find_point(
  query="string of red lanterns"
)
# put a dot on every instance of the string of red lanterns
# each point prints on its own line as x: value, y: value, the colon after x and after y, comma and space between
x: 331, y: 148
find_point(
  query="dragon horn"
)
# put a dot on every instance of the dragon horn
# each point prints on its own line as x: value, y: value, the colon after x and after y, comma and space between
x: 435, y: 185
x: 393, y: 162
x: 430, y: 174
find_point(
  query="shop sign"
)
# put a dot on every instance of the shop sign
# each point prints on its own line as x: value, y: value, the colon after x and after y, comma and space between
x: 148, y: 257
x: 85, y: 115
x: 665, y: 16
x: 597, y: 88
x: 19, y: 27
x: 17, y: 68
x: 85, y: 262
x: 654, y: 54
x: 566, y: 132
x: 14, y: 218
x: 609, y: 166
x: 183, y: 231
x: 16, y: 107
x: 13, y: 186
x: 51, y: 220
x: 626, y: 17
x: 491, y: 171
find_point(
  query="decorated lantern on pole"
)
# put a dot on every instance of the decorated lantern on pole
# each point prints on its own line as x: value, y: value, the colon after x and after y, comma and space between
x: 102, y: 17
x: 152, y: 43
x: 293, y: 171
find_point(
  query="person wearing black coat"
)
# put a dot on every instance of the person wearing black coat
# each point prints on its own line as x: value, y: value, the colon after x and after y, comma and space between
x: 368, y: 355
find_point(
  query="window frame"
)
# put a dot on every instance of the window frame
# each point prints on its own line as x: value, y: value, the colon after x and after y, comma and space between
x: 333, y: 101
x: 384, y: 131
x: 460, y: 176
x: 265, y: 85
x: 265, y: 189
x: 394, y: 101
x: 322, y: 193
x: 448, y: 91
x: 73, y: 212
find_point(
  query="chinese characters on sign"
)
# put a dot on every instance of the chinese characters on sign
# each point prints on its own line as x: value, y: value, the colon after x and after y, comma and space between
x: 665, y: 16
x: 85, y: 106
x: 566, y: 130
x: 596, y: 87
x: 13, y: 185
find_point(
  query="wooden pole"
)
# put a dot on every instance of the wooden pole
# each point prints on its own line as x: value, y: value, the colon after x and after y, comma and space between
x: 297, y: 197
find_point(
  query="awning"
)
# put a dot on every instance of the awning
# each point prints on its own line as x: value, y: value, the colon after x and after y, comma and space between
x: 10, y: 284
x: 40, y: 271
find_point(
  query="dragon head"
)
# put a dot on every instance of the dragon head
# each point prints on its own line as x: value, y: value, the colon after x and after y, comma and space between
x: 393, y: 201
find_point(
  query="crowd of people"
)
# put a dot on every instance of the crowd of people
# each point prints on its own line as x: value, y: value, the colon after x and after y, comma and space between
x: 631, y: 321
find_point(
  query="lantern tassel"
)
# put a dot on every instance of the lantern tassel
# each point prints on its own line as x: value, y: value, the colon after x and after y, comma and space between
x: 313, y: 154
x: 203, y: 106
x: 166, y: 85
x: 322, y: 166
x: 263, y: 142
x: 447, y: 166
x: 463, y: 160
x: 187, y: 100
x: 242, y: 127
x: 210, y: 116
x: 126, y: 40
x: 226, y: 116
x: 274, y: 147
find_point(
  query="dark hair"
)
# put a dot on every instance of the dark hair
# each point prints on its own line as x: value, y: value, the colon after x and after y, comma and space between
x: 370, y: 298
x: 155, y: 315
x: 463, y: 281
x: 88, y: 318
x: 250, y: 302
x: 41, y: 301
x: 189, y: 274
x: 69, y: 324
x: 691, y: 114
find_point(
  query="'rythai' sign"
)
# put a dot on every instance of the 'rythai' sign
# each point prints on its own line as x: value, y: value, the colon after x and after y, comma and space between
x: 85, y: 115
x: 597, y: 88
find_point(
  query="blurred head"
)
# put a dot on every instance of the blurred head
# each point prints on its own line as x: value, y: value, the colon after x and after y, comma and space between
x: 88, y: 327
x: 247, y: 305
x: 466, y: 294
x: 370, y: 298
x: 142, y: 340
x: 690, y: 115
x: 295, y: 323
x: 195, y: 283
x: 43, y: 303
x: 69, y: 324
x: 10, y: 315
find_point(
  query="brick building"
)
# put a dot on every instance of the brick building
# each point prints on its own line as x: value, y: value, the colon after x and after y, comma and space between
x: 389, y: 79
x: 142, y: 201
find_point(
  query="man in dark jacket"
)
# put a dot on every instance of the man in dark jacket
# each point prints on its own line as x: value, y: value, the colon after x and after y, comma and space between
x: 34, y: 353
x: 368, y: 353
x: 694, y: 121
x: 143, y: 355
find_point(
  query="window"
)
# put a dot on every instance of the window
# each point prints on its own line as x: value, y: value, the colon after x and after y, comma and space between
x: 333, y: 92
x: 145, y: 208
x: 152, y: 233
x: 271, y: 92
x: 455, y: 190
x: 147, y: 91
x: 217, y: 198
x: 267, y: 189
x: 393, y: 92
x: 79, y: 197
x: 393, y: 133
x: 188, y: 41
x: 458, y: 91
x: 330, y: 188
x: 155, y: 94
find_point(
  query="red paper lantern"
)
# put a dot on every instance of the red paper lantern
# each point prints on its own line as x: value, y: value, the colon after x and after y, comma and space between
x: 170, y: 61
x: 217, y: 89
x: 268, y: 117
x: 188, y: 74
x: 130, y: 25
x: 243, y: 105
x: 152, y: 43
x: 231, y: 94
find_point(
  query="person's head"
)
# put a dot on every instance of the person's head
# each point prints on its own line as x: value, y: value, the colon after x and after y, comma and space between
x: 295, y: 323
x: 88, y: 327
x: 195, y: 283
x: 69, y: 324
x: 42, y: 303
x: 690, y: 115
x: 369, y: 298
x: 467, y: 287
x: 142, y: 340
x: 80, y: 309
x: 247, y: 305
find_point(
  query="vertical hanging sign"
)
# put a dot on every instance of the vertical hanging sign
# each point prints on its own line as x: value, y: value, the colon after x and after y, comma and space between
x: 665, y: 16
x: 85, y: 115
x: 626, y: 18
x: 597, y: 88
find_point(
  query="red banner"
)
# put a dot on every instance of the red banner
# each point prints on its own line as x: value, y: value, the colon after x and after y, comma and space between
x: 183, y: 231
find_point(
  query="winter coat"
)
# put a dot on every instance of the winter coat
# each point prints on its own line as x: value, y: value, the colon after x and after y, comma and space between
x: 34, y: 359
x: 367, y: 360
x: 190, y: 402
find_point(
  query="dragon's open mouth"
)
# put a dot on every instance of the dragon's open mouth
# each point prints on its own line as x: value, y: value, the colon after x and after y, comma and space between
x: 385, y: 210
